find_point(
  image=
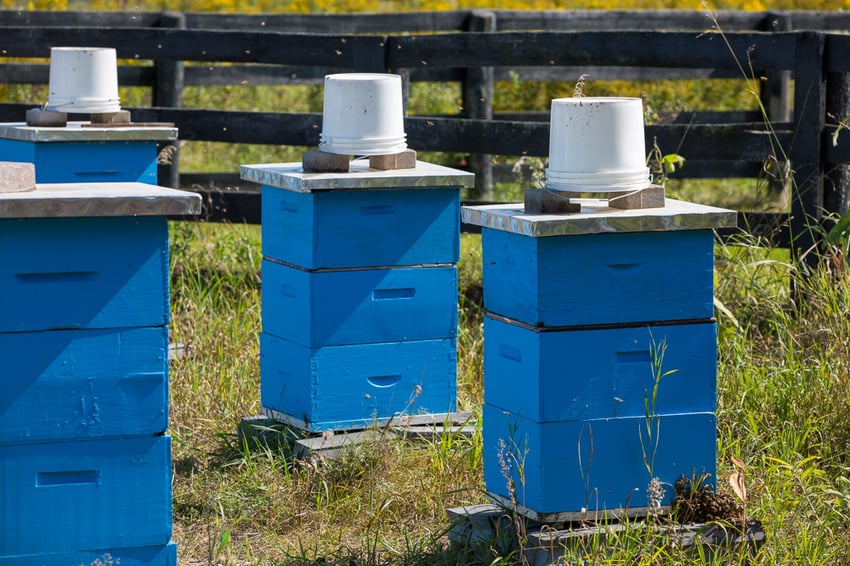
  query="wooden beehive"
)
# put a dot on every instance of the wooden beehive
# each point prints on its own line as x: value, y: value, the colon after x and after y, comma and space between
x: 600, y: 354
x: 84, y: 459
x: 359, y: 293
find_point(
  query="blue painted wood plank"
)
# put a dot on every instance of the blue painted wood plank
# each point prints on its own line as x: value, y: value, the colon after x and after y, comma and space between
x: 163, y: 555
x: 334, y: 308
x: 102, y: 272
x: 591, y: 374
x: 596, y: 464
x: 599, y: 278
x: 79, y: 161
x: 380, y: 228
x: 83, y: 384
x: 67, y: 496
x: 339, y: 387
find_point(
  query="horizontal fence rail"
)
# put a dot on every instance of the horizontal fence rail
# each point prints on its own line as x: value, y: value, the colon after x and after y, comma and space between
x: 478, y: 49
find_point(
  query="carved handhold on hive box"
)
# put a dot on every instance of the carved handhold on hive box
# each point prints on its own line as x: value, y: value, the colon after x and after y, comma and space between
x: 16, y: 177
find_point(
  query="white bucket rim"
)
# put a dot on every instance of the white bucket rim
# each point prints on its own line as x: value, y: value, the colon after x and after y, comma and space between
x: 609, y: 188
x: 81, y: 48
x: 598, y: 176
x: 599, y: 172
x: 84, y: 105
x: 597, y: 99
x: 361, y: 140
x: 599, y: 182
x: 362, y: 77
x: 363, y: 146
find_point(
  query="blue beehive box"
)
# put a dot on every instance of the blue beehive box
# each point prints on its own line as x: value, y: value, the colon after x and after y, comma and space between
x: 355, y: 386
x: 599, y: 373
x: 365, y: 218
x: 81, y: 384
x: 600, y: 266
x: 339, y: 307
x: 84, y: 154
x: 95, y: 494
x: 587, y: 469
x: 361, y: 228
x: 599, y: 278
x: 81, y: 272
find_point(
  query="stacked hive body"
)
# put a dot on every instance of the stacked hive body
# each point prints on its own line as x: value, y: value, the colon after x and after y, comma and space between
x: 85, y: 464
x: 359, y: 293
x: 79, y: 153
x: 599, y: 355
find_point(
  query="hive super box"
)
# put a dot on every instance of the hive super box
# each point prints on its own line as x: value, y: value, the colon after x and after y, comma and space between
x: 599, y: 354
x: 84, y: 154
x: 359, y: 293
x: 85, y: 466
x: 594, y: 373
x: 82, y: 272
x: 335, y: 308
x: 587, y: 469
x: 77, y: 496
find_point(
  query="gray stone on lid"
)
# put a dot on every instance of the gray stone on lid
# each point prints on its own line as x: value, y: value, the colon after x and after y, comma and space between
x: 16, y: 177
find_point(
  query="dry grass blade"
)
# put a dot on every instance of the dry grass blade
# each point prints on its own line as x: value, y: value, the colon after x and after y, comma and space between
x: 736, y: 481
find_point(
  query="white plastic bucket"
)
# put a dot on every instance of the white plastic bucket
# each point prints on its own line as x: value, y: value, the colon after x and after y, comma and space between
x: 596, y: 144
x: 83, y: 80
x: 363, y: 114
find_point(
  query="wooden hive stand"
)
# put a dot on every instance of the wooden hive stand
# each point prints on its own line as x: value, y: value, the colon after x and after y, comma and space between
x: 487, y: 525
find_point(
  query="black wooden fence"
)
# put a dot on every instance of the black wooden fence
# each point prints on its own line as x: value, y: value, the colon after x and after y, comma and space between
x: 478, y: 49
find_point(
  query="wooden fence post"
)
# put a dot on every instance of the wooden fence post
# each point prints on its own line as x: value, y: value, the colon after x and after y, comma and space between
x: 836, y: 189
x: 370, y: 56
x: 776, y: 89
x: 775, y: 95
x: 805, y: 153
x: 477, y: 98
x: 405, y: 88
x: 168, y: 93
